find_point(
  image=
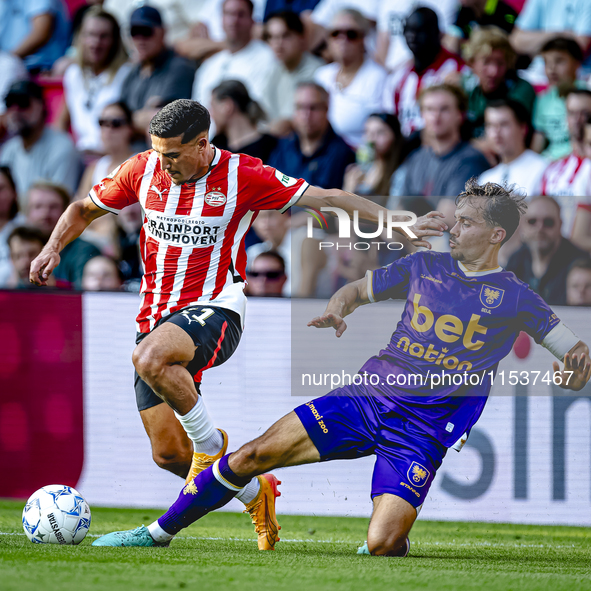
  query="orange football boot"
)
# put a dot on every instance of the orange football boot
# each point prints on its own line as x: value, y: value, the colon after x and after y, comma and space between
x: 262, y: 512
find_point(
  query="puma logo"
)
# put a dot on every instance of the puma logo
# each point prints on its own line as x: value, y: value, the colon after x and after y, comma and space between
x: 160, y: 193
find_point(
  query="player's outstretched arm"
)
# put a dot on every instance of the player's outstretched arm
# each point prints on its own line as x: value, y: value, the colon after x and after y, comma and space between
x: 431, y: 224
x: 575, y: 361
x: 70, y: 225
x: 342, y: 303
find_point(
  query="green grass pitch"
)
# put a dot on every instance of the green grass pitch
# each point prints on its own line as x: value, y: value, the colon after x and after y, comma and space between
x: 219, y: 552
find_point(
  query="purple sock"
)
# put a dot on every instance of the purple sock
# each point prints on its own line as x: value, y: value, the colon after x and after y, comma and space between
x: 210, y: 490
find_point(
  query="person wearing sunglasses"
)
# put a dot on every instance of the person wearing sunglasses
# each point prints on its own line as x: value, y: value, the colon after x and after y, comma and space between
x: 116, y: 129
x: 353, y: 81
x: 544, y: 259
x: 266, y: 276
x: 274, y: 229
x: 95, y: 78
x: 160, y: 73
x: 36, y: 151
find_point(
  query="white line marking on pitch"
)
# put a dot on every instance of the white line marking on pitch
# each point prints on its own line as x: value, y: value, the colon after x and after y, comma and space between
x: 414, y: 543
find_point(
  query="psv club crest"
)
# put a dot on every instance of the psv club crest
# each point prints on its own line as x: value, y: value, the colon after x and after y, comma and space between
x: 215, y: 197
x: 418, y: 474
x: 491, y: 297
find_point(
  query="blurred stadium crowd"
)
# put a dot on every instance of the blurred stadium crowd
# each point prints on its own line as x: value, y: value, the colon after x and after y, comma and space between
x: 397, y: 100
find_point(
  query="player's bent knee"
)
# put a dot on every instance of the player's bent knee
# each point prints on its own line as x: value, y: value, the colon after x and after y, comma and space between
x: 147, y: 363
x: 386, y: 544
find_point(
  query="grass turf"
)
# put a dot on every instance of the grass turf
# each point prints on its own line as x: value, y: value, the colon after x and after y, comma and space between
x: 220, y: 552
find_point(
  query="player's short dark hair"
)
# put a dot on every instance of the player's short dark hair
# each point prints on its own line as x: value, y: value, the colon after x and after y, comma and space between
x: 566, y: 45
x: 28, y: 234
x: 292, y: 21
x: 182, y: 117
x: 455, y: 91
x: 502, y: 205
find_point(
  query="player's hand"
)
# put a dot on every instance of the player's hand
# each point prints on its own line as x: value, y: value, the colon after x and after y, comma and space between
x: 42, y: 267
x: 581, y: 368
x: 328, y: 320
x: 428, y: 225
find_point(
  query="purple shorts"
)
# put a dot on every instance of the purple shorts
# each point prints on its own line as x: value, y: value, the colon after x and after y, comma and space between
x: 345, y: 424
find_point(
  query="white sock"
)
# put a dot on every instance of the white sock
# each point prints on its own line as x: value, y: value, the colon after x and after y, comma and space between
x: 249, y: 492
x: 205, y: 437
x: 158, y: 534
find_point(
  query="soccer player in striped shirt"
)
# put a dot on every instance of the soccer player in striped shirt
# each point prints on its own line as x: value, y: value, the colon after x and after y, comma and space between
x: 462, y: 315
x: 198, y: 204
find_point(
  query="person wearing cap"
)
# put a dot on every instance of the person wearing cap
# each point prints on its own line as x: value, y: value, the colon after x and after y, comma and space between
x: 160, y: 76
x: 36, y: 151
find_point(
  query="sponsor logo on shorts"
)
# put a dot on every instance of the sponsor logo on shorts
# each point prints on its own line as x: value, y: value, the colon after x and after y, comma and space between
x: 410, y: 488
x: 418, y: 474
x: 317, y: 416
x: 190, y: 489
x: 215, y: 198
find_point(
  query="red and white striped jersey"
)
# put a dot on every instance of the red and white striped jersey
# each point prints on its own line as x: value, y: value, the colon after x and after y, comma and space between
x: 404, y: 85
x: 568, y: 180
x: 192, y: 240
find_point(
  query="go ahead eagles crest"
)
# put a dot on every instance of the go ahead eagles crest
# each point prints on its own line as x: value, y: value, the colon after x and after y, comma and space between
x: 491, y: 297
x: 418, y: 474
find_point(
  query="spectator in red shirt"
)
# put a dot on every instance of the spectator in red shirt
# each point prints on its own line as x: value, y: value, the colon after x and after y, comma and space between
x: 431, y: 65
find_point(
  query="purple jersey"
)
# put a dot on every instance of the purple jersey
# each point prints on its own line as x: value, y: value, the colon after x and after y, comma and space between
x: 455, y: 321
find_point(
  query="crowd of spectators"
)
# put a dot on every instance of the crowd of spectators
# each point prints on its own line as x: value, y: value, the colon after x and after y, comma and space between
x: 401, y: 101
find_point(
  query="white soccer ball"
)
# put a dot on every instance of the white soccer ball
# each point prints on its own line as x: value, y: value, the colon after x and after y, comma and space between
x: 56, y: 514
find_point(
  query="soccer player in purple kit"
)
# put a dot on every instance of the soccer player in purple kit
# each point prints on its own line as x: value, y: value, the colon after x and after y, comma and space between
x: 462, y: 315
